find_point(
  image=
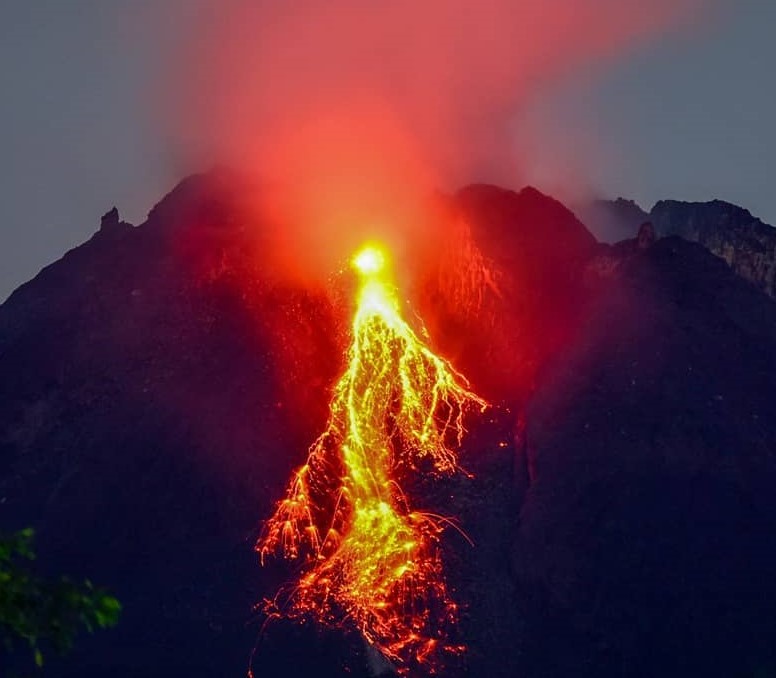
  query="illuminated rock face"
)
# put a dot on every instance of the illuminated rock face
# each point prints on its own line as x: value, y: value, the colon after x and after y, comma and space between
x: 505, y: 293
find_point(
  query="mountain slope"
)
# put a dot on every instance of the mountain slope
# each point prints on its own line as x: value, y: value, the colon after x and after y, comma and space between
x: 160, y: 382
x: 645, y: 537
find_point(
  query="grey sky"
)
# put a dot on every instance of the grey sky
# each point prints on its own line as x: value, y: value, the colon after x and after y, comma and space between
x: 689, y: 117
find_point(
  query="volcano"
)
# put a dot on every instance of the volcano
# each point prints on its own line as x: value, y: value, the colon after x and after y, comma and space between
x: 161, y: 382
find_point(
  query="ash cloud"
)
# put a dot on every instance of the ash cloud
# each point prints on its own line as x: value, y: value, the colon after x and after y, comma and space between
x: 361, y: 108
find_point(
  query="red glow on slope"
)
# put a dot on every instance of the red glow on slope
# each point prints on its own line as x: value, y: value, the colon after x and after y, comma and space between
x: 371, y: 561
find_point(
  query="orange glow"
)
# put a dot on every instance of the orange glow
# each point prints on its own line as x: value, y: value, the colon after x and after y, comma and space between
x: 355, y: 174
x: 370, y: 560
x: 347, y: 103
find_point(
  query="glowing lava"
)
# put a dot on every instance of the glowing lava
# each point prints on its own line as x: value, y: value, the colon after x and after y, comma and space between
x: 370, y: 560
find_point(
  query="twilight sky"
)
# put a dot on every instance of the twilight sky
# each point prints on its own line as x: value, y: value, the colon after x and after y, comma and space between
x: 688, y: 114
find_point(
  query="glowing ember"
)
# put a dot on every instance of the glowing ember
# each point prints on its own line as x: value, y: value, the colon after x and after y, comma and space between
x: 369, y: 261
x: 370, y: 560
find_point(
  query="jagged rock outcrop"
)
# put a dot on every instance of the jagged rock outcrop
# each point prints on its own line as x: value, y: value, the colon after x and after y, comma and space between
x: 646, y: 236
x: 732, y: 233
x: 746, y: 243
x: 110, y: 223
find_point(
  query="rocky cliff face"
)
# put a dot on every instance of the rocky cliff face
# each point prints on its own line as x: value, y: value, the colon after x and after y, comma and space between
x: 504, y: 309
x: 747, y: 244
x: 732, y: 233
x: 160, y: 382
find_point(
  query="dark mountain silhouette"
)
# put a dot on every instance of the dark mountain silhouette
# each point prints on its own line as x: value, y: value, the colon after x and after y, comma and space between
x: 160, y: 382
x: 747, y: 244
x: 612, y: 220
x: 645, y: 537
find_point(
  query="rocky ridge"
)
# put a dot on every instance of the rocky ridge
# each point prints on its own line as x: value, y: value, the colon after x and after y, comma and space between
x: 745, y: 242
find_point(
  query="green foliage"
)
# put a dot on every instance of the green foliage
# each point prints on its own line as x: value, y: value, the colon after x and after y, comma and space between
x: 39, y: 611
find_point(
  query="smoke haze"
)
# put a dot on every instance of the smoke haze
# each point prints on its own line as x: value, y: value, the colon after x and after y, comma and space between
x: 359, y: 108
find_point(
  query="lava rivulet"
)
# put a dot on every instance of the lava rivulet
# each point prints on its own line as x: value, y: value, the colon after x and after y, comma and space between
x: 370, y: 560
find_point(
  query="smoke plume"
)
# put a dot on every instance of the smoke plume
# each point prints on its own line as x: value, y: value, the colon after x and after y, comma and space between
x: 360, y: 108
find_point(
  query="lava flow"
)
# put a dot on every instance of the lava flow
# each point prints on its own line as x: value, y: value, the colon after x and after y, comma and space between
x: 371, y: 562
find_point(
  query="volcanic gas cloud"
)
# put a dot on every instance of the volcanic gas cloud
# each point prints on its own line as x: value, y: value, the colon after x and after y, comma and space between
x: 356, y: 111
